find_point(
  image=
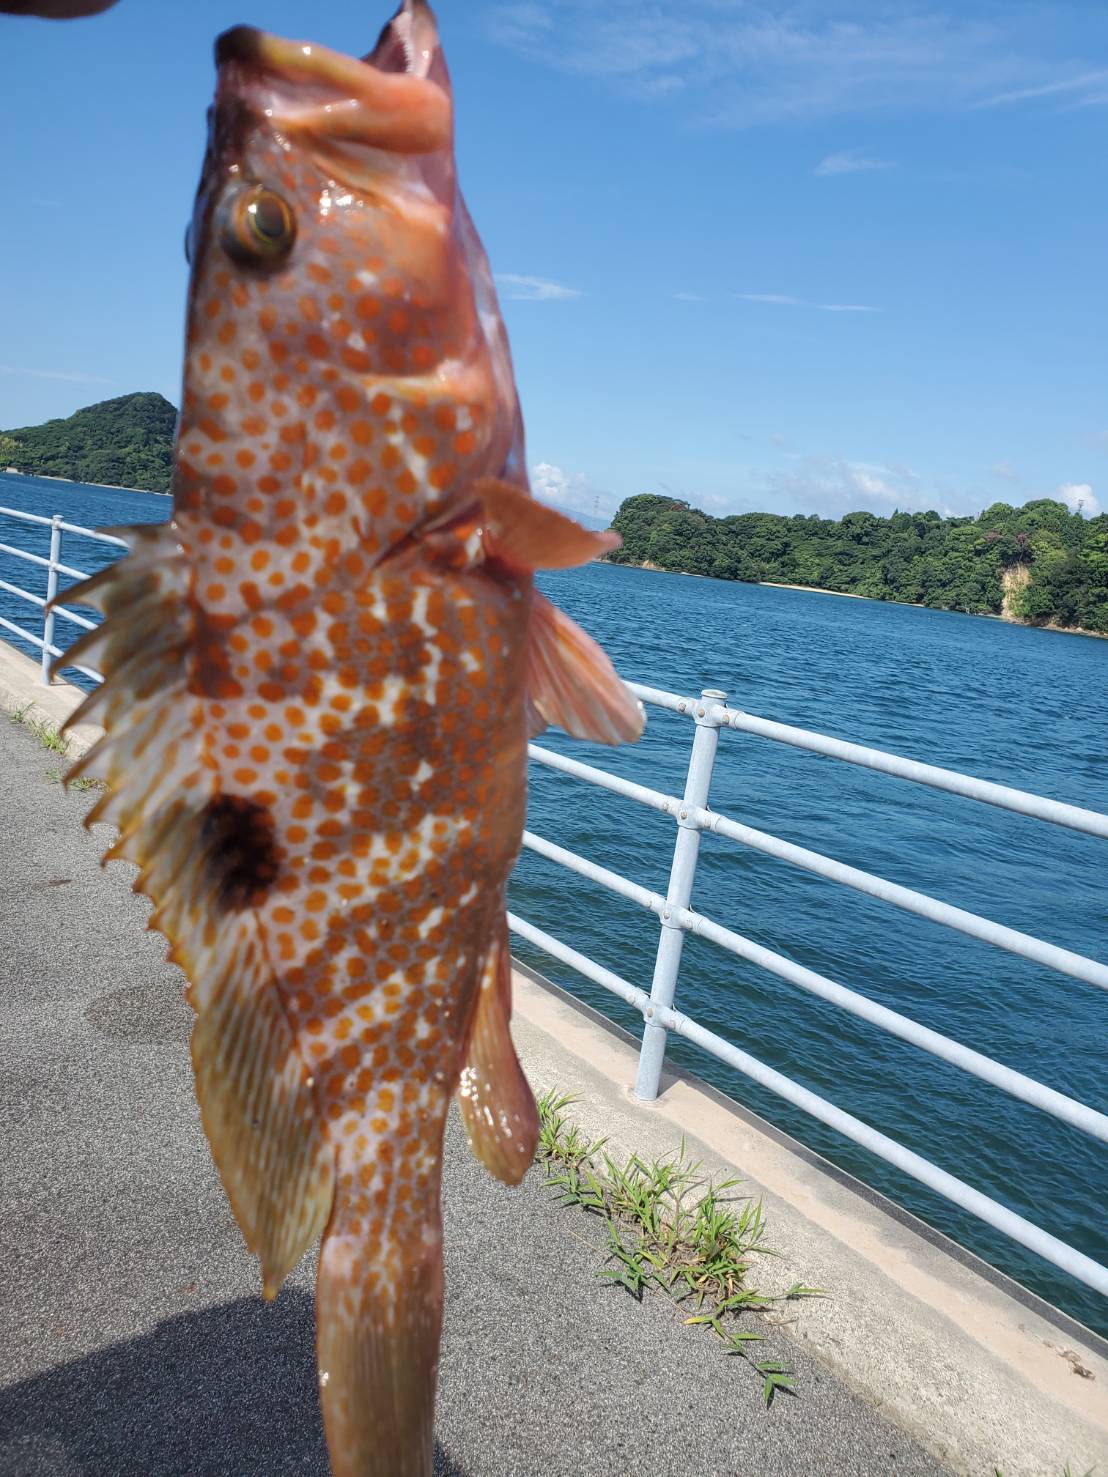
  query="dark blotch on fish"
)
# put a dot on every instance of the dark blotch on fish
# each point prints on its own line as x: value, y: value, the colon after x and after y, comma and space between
x: 240, y: 852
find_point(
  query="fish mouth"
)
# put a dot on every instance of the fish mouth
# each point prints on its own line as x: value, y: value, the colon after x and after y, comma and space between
x: 397, y: 97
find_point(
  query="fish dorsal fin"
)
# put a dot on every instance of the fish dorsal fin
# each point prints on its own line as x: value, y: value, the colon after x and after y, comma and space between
x: 257, y: 1103
x: 525, y: 535
x: 571, y: 682
x: 498, y: 1107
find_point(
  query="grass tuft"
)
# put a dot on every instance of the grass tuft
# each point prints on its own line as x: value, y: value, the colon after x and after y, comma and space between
x: 672, y: 1230
x: 82, y: 783
x: 47, y: 735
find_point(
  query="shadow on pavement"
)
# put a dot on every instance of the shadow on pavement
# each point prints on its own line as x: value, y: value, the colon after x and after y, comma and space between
x: 226, y: 1392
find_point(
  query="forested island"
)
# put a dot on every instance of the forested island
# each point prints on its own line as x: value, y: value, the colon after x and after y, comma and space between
x: 1039, y: 563
x: 125, y: 442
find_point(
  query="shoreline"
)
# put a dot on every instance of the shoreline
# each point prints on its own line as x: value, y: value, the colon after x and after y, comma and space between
x: 985, y: 615
x: 73, y: 482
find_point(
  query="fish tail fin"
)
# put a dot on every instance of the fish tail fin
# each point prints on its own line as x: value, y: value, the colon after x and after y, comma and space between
x: 496, y: 1101
x: 379, y: 1322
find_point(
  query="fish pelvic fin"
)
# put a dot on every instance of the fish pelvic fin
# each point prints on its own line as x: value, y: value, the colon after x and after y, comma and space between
x: 256, y: 1102
x: 572, y: 683
x: 495, y: 1098
x: 379, y: 1302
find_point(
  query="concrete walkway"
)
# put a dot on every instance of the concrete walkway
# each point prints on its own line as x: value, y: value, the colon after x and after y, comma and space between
x: 133, y: 1340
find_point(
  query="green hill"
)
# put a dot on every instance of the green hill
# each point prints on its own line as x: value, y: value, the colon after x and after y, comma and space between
x: 1039, y: 563
x: 126, y: 442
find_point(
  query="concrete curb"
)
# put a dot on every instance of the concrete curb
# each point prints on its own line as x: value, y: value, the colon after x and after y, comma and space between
x: 976, y: 1369
x: 22, y: 691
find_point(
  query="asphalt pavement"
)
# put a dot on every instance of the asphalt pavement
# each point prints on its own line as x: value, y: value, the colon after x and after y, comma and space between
x: 133, y: 1338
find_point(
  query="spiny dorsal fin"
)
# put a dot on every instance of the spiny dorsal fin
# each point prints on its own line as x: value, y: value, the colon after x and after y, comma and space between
x: 256, y: 1100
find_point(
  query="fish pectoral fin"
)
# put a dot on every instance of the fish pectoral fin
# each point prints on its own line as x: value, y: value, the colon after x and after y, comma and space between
x: 378, y: 1327
x: 571, y: 682
x: 526, y: 535
x: 498, y: 1106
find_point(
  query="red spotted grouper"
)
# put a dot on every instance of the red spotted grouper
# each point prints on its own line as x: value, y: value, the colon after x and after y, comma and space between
x: 320, y: 681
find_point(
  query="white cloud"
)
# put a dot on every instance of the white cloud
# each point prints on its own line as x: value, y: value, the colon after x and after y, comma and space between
x: 57, y: 374
x: 572, y: 492
x: 688, y: 297
x: 741, y: 63
x: 779, y: 299
x: 786, y: 300
x: 1079, y: 498
x: 1005, y: 470
x: 534, y: 289
x: 834, y: 486
x: 850, y: 161
x: 1085, y: 91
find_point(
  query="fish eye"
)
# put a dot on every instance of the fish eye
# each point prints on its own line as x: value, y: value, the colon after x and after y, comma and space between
x: 257, y: 227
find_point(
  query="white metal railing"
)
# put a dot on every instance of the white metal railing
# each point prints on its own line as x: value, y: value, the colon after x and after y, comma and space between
x: 53, y: 566
x: 693, y: 817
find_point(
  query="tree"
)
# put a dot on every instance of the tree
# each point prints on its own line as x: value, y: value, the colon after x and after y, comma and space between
x: 947, y: 563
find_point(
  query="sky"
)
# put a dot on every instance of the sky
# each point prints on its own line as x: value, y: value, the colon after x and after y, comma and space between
x: 797, y: 256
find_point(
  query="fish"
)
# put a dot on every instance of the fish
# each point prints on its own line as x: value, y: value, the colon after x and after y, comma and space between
x: 321, y: 676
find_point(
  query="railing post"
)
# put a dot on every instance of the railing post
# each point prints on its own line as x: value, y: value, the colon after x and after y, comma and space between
x: 51, y: 591
x: 679, y: 894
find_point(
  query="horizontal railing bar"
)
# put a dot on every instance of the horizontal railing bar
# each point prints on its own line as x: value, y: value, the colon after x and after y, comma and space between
x: 1064, y: 961
x: 76, y: 666
x: 662, y: 699
x: 53, y: 650
x: 19, y: 631
x: 94, y: 533
x: 77, y: 574
x: 1021, y: 801
x: 104, y: 538
x: 667, y: 804
x: 1057, y: 812
x: 78, y: 620
x: 24, y: 554
x: 1015, y: 1084
x: 23, y: 594
x: 1068, y: 1258
x: 26, y: 517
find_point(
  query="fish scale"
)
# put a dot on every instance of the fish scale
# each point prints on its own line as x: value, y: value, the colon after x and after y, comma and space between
x: 320, y: 680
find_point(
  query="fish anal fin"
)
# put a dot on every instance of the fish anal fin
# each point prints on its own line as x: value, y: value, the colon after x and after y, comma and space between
x: 496, y: 1101
x: 572, y: 683
x: 523, y: 534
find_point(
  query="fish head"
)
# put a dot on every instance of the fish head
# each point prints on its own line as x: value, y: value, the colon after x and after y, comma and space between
x: 335, y: 268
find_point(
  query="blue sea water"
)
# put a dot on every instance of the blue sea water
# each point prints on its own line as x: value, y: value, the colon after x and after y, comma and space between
x: 1019, y: 706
